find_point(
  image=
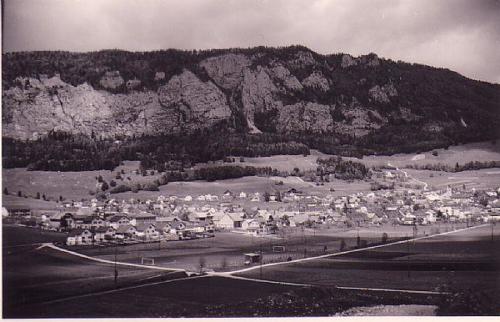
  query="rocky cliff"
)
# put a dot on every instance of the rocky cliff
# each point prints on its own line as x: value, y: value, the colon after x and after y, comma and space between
x: 287, y: 91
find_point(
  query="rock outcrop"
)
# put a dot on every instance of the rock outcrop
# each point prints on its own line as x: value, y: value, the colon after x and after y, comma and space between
x: 316, y: 81
x: 258, y: 93
x: 305, y: 117
x: 382, y: 94
x: 226, y: 70
x: 198, y: 102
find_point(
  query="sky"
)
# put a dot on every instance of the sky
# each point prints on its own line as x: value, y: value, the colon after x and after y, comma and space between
x: 462, y: 35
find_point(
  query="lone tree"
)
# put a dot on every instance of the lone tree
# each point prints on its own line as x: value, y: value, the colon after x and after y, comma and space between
x: 202, y: 262
x: 385, y: 237
x: 342, y: 245
x: 37, y: 195
x: 5, y: 191
x: 223, y: 263
x: 19, y: 193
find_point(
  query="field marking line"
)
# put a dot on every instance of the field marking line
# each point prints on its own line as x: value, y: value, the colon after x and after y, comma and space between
x: 81, y: 279
x: 391, y: 290
x: 338, y: 287
x: 118, y: 290
x: 100, y: 260
x: 351, y: 251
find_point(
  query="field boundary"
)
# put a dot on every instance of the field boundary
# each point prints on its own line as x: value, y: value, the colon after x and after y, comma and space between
x: 348, y: 251
x: 338, y: 287
x: 100, y: 260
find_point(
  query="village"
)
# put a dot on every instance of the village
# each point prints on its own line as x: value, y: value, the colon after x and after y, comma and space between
x: 396, y: 199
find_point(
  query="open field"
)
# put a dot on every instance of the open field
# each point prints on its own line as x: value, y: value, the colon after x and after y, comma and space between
x: 32, y: 275
x: 480, y: 151
x: 76, y: 185
x: 70, y: 185
x: 14, y: 202
x: 479, y: 179
x: 464, y: 260
x: 218, y: 296
x: 285, y: 162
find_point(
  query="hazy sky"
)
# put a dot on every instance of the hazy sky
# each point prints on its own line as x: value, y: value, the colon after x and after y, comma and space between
x: 463, y: 35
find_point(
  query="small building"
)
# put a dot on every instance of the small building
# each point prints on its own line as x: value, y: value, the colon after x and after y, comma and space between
x: 229, y: 221
x: 126, y: 231
x: 147, y: 231
x: 251, y: 258
x: 118, y: 220
x: 103, y: 234
x: 79, y: 237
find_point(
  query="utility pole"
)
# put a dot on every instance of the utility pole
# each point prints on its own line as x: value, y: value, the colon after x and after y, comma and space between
x: 261, y: 260
x: 116, y: 269
x: 492, y: 227
x: 408, y: 256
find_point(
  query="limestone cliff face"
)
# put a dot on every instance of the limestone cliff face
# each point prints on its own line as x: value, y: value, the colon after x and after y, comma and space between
x: 254, y: 90
x: 305, y: 117
x: 36, y: 107
x: 258, y: 93
x: 226, y: 70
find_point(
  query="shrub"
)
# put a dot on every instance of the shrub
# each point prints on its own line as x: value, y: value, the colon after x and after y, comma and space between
x: 342, y: 245
x: 120, y: 188
x: 385, y: 237
x: 150, y: 187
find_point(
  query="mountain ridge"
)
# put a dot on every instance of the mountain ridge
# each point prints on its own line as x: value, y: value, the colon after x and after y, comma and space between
x: 324, y: 101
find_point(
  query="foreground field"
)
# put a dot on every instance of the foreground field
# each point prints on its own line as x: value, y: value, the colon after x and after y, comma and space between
x: 464, y: 260
x: 32, y: 275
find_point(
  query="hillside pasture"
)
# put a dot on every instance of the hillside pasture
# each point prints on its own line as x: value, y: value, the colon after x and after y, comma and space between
x: 461, y: 154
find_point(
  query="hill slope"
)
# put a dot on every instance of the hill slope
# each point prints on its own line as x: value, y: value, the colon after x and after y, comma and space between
x: 329, y: 102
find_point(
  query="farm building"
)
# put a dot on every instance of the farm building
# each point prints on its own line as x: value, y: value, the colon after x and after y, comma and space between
x: 147, y: 231
x: 102, y: 234
x: 229, y: 221
x: 79, y: 237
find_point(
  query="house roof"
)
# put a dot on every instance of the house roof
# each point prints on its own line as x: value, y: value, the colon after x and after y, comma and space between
x: 177, y: 224
x: 142, y: 226
x: 125, y: 228
x: 102, y: 229
x: 117, y: 218
x: 77, y: 232
x: 162, y: 224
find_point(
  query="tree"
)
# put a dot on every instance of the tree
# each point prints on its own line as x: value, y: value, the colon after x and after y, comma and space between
x: 99, y: 179
x: 37, y: 195
x: 112, y: 183
x: 5, y: 191
x: 19, y: 193
x: 44, y: 197
x: 223, y: 263
x: 342, y: 245
x: 61, y: 198
x: 385, y: 237
x: 104, y: 186
x: 266, y: 196
x: 202, y: 262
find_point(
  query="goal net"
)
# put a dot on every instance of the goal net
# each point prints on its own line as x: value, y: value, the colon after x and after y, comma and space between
x: 278, y: 249
x: 147, y: 261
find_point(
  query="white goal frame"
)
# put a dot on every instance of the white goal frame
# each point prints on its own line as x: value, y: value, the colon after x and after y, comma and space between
x: 148, y: 260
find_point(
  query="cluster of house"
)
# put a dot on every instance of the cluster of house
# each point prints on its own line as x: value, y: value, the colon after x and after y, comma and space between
x: 174, y: 218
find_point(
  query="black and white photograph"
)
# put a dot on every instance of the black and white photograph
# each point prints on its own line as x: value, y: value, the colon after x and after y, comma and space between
x: 250, y: 159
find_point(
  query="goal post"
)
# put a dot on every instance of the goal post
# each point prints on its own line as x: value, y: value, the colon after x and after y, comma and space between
x: 278, y: 249
x: 147, y: 261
